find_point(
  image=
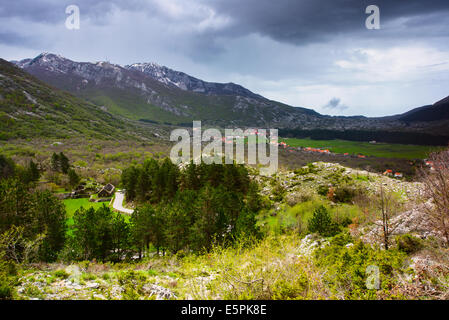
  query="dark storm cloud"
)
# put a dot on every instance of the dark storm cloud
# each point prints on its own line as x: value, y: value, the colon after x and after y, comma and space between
x: 300, y: 52
x: 14, y: 38
x: 300, y: 21
x: 292, y: 21
x: 52, y: 11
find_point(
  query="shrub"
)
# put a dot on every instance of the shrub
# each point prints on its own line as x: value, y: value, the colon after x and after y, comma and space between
x: 299, y: 196
x: 321, y: 222
x: 345, y: 268
x: 344, y: 194
x: 323, y: 190
x: 291, y: 290
x: 408, y: 243
x: 278, y: 191
x: 6, y: 290
x: 61, y: 274
x: 88, y: 277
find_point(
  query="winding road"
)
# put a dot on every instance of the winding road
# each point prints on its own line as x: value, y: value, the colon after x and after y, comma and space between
x: 118, y: 203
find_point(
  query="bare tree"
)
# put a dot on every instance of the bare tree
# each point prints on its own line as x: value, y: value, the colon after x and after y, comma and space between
x: 387, y: 207
x: 436, y: 188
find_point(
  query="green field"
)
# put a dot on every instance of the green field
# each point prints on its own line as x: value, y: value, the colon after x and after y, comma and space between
x: 384, y: 150
x: 72, y: 205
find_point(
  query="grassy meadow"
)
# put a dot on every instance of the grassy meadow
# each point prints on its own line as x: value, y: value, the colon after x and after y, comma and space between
x: 384, y: 150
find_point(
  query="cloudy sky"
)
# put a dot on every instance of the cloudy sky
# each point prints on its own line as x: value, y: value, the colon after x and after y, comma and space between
x: 310, y: 53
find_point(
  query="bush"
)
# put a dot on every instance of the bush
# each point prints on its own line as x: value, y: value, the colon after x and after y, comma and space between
x: 291, y: 290
x: 61, y: 274
x: 323, y: 190
x: 408, y: 243
x: 345, y: 268
x: 278, y: 192
x: 321, y: 222
x: 6, y: 290
x: 344, y: 194
x: 299, y: 196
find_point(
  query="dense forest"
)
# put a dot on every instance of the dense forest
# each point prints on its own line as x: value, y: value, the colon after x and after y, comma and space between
x: 188, y: 209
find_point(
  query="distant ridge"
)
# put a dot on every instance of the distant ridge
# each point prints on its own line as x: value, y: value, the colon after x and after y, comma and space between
x: 157, y: 94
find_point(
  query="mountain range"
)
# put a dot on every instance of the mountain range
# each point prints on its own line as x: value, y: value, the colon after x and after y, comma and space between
x: 30, y: 108
x: 157, y: 94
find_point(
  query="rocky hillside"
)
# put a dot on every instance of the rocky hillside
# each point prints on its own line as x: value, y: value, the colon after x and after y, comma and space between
x: 30, y: 108
x: 188, y: 83
x: 231, y: 273
x: 153, y: 93
x: 149, y: 94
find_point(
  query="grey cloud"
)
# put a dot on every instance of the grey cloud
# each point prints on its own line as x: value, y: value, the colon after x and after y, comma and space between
x: 284, y: 49
x: 335, y: 104
x: 305, y: 21
x: 53, y: 11
x: 13, y: 38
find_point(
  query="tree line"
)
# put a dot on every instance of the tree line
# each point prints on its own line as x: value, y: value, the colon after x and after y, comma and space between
x: 37, y: 214
x: 188, y: 210
x: 417, y: 138
x: 177, y: 210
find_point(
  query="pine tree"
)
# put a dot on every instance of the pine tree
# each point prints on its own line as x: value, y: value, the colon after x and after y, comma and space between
x: 50, y: 219
x: 129, y: 181
x: 74, y: 179
x: 64, y: 164
x: 34, y: 172
x: 7, y: 167
x: 55, y: 163
x: 321, y: 222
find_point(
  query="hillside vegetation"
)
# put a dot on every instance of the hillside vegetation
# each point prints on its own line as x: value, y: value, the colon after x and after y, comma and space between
x: 30, y: 108
x: 223, y: 232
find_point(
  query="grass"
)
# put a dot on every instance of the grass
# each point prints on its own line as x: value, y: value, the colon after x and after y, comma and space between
x: 72, y: 205
x: 296, y: 218
x: 384, y: 150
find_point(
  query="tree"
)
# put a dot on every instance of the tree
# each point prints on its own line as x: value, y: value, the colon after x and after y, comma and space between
x: 39, y: 214
x: 16, y: 205
x: 7, y: 167
x: 386, y: 208
x: 33, y: 171
x: 120, y: 237
x: 436, y: 189
x: 177, y: 226
x: 50, y: 220
x: 146, y: 227
x: 64, y: 164
x: 321, y: 222
x: 253, y: 200
x: 74, y: 179
x: 99, y: 234
x: 129, y: 181
x: 190, y: 177
x: 246, y: 223
x: 55, y: 163
x: 60, y: 163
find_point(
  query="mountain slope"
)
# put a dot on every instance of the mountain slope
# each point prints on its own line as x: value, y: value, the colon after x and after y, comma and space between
x: 438, y: 111
x: 188, y: 83
x: 138, y: 92
x: 31, y: 108
x: 153, y: 93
